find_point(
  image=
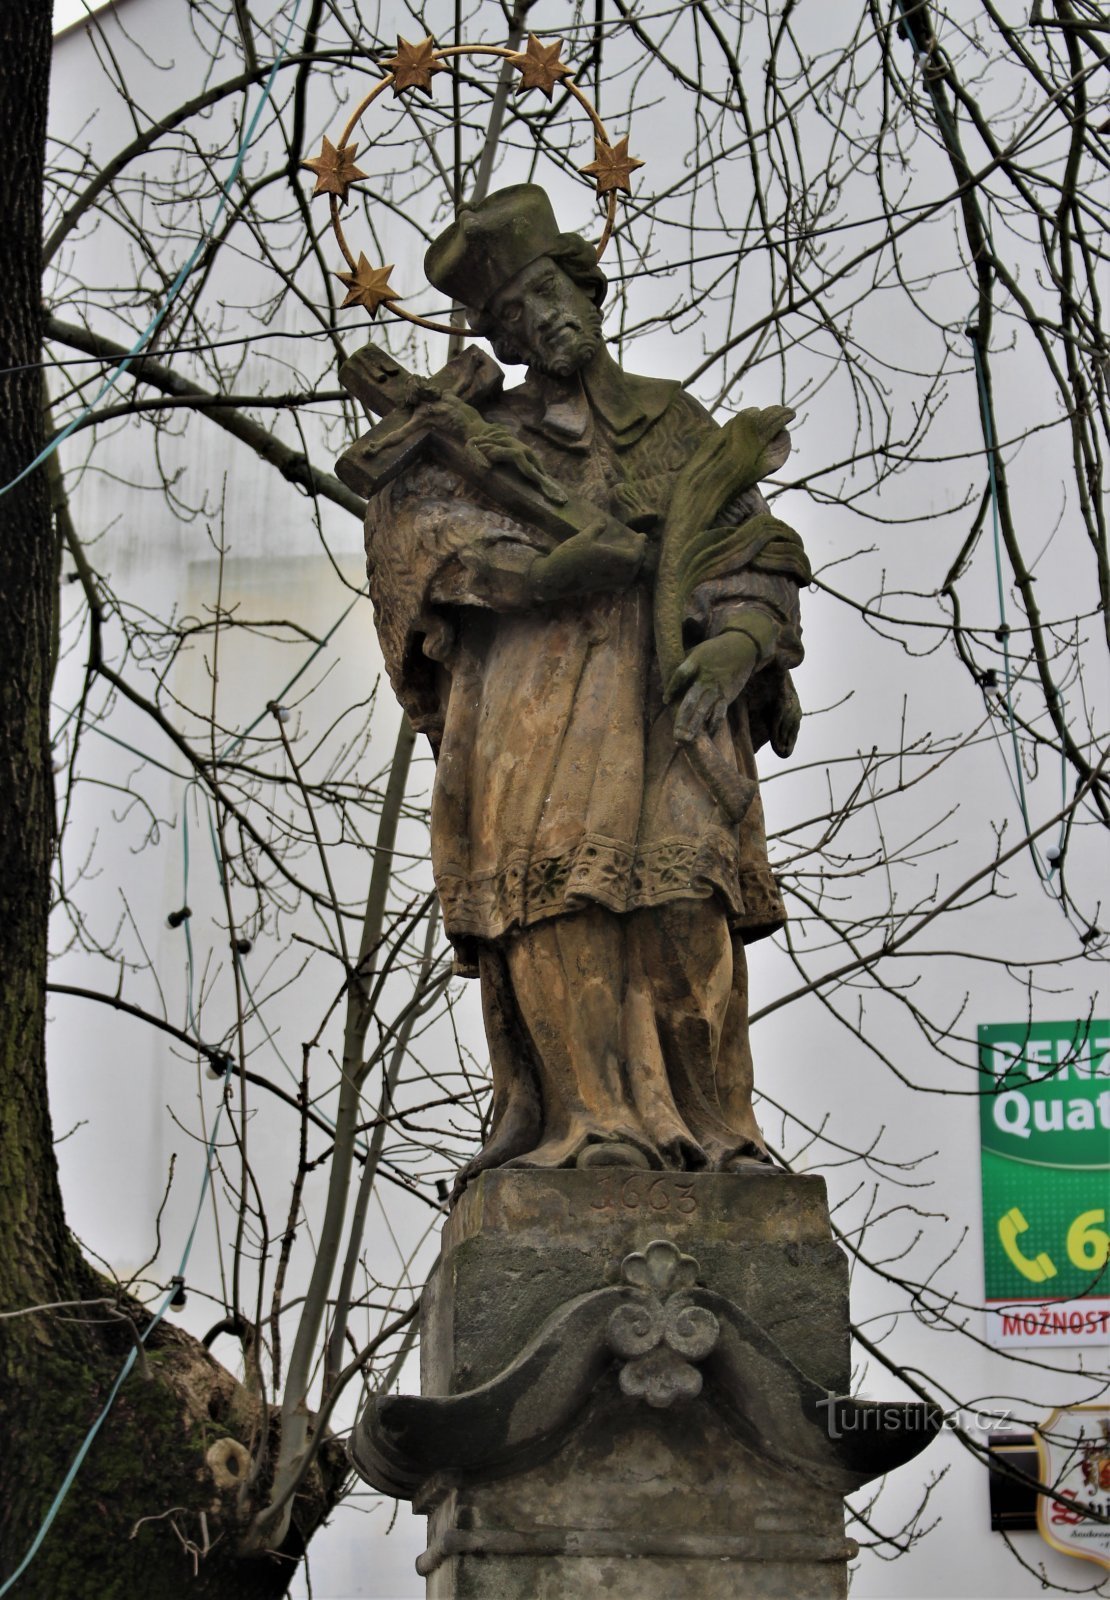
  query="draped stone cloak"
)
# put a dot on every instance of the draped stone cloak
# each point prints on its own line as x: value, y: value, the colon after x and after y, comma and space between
x: 558, y: 781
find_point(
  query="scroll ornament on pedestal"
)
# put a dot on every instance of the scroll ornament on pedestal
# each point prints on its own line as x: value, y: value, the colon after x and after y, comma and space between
x: 665, y: 1335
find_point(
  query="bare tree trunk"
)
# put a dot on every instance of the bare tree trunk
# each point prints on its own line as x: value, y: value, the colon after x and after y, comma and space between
x: 57, y: 1367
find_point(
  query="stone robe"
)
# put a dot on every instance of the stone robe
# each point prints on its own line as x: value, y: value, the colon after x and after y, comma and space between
x: 560, y: 792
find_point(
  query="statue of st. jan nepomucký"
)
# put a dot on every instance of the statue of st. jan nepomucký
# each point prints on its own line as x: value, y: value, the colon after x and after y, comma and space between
x: 595, y: 679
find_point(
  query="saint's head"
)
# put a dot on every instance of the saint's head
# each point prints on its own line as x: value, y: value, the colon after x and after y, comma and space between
x: 532, y: 291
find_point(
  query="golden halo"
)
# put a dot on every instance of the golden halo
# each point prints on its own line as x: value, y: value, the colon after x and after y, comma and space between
x: 411, y: 68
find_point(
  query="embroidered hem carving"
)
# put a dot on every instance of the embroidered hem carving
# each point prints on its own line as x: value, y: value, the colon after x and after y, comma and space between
x: 611, y: 874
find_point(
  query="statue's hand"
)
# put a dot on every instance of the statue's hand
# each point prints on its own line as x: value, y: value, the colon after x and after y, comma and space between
x: 493, y: 446
x: 604, y: 556
x: 714, y: 674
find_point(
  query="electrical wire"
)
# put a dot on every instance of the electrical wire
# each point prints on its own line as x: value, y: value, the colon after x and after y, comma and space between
x: 178, y: 283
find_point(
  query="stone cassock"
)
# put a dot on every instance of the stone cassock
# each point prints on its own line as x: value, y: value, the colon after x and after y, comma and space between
x: 588, y: 873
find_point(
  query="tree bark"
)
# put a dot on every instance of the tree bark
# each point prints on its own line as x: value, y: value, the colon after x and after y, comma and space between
x: 56, y: 1367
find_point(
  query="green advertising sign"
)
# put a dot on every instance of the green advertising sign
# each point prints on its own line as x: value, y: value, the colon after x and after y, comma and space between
x: 1044, y: 1118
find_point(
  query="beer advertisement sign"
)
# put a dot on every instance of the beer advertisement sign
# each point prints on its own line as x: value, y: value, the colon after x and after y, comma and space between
x: 1073, y: 1448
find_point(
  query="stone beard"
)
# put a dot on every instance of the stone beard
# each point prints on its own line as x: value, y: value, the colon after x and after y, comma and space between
x: 588, y: 874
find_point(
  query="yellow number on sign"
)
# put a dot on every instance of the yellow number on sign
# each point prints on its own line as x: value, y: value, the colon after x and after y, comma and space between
x: 1087, y: 1243
x: 1036, y: 1270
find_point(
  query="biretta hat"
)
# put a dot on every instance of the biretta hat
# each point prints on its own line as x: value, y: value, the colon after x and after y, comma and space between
x: 490, y: 242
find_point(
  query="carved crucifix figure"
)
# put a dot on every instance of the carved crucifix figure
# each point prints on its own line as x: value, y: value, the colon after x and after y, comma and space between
x: 585, y: 603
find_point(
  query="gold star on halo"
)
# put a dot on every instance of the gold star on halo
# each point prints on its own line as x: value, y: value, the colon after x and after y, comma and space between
x: 612, y: 166
x: 539, y: 66
x: 413, y: 65
x: 335, y: 169
x: 367, y: 286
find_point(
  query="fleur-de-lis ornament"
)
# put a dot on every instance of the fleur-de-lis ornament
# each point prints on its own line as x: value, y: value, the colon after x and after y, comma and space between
x: 658, y: 1332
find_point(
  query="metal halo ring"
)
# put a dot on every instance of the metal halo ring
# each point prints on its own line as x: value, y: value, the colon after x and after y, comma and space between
x: 434, y: 59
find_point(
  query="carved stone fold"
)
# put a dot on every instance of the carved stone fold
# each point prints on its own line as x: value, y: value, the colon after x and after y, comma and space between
x: 513, y: 1420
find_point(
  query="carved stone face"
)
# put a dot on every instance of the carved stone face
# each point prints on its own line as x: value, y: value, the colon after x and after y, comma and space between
x: 544, y: 318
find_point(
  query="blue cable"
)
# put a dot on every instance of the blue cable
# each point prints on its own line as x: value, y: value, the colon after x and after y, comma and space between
x: 189, y: 969
x: 177, y: 284
x: 193, y: 783
x: 86, y: 1444
x: 1003, y: 631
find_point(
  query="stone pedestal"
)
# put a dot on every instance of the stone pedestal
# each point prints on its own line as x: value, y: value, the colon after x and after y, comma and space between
x: 639, y: 1502
x: 633, y: 1385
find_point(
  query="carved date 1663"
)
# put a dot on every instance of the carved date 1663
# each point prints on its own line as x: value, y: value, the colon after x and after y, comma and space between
x: 643, y: 1192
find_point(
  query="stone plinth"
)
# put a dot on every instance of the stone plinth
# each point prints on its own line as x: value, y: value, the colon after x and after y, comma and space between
x: 637, y: 1502
x: 521, y: 1243
x: 634, y: 1385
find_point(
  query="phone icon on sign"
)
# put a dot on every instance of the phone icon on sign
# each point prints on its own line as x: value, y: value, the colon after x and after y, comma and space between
x: 1036, y: 1268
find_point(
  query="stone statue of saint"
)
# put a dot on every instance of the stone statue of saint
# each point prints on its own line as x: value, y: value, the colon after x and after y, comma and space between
x: 597, y: 835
